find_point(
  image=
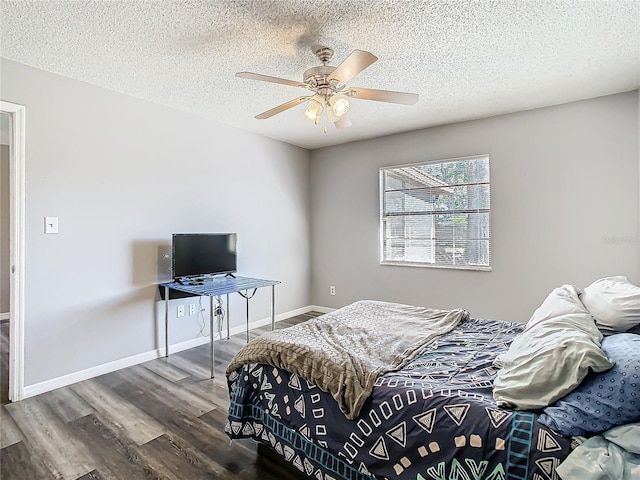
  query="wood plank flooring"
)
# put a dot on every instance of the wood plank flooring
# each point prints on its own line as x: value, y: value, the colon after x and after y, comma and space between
x: 163, y: 419
x: 4, y: 362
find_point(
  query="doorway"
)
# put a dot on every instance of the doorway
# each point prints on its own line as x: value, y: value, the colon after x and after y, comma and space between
x: 12, y: 123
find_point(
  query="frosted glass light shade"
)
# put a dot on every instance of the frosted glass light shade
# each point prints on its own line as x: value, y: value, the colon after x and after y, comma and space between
x: 313, y: 111
x: 339, y: 105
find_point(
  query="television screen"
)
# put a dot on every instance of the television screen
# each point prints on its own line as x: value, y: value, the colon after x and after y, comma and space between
x: 197, y: 254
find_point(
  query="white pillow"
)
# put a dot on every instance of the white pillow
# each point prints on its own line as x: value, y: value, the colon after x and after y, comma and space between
x: 614, y: 303
x: 558, y: 347
x: 562, y: 301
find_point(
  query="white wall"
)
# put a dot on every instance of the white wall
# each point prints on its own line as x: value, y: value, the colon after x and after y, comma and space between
x: 122, y: 175
x: 564, y: 200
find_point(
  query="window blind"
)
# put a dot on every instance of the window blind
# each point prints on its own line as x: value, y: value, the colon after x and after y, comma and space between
x: 436, y: 214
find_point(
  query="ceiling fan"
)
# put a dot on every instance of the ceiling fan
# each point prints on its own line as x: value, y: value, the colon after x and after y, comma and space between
x: 330, y: 92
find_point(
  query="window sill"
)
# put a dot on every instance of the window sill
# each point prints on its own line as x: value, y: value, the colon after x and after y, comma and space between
x: 478, y: 268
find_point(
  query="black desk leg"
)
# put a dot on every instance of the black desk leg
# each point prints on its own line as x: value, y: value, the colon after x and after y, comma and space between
x: 166, y: 321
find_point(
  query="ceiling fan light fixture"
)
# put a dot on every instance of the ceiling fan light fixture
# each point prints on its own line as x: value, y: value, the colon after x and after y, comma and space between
x: 339, y: 105
x: 329, y: 87
x: 313, y: 111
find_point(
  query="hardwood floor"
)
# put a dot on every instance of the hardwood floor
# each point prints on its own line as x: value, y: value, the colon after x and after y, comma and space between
x: 163, y: 419
x: 4, y: 362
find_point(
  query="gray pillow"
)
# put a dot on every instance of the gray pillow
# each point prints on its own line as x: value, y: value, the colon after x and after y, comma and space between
x: 558, y: 347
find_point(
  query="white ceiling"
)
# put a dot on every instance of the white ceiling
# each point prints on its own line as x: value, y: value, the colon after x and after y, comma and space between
x: 465, y: 59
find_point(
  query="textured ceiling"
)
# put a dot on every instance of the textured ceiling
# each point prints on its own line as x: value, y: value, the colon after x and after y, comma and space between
x: 465, y: 59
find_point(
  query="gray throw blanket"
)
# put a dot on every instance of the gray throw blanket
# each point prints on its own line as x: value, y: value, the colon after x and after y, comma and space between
x: 345, y: 351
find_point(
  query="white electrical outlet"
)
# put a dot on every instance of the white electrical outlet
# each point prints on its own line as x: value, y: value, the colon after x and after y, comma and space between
x: 192, y: 309
x: 332, y: 290
x: 180, y: 311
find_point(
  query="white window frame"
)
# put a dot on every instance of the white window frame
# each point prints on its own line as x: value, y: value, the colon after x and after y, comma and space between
x: 434, y: 263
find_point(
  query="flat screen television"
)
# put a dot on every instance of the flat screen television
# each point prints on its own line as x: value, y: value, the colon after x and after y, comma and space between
x: 202, y: 254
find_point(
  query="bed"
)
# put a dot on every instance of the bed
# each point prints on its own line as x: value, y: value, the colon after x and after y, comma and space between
x: 436, y: 404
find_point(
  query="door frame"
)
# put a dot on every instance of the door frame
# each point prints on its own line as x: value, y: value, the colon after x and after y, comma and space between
x: 17, y: 195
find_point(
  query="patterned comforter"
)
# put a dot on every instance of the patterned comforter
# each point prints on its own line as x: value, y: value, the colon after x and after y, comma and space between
x: 434, y: 419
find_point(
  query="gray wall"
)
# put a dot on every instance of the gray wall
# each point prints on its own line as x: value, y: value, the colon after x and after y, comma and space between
x: 4, y: 228
x: 564, y: 199
x: 122, y: 175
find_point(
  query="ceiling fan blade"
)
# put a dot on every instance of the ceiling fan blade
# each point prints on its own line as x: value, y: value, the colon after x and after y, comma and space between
x: 281, y: 108
x: 382, y: 95
x: 343, y: 122
x: 267, y: 78
x: 352, y: 65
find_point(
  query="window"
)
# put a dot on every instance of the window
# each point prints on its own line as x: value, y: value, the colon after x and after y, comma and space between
x: 436, y: 214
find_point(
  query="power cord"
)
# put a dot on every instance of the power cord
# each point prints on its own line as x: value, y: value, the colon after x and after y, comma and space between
x: 218, y: 311
x: 203, y: 324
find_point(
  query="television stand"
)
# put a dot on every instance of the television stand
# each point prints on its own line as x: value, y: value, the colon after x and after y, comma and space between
x: 213, y: 287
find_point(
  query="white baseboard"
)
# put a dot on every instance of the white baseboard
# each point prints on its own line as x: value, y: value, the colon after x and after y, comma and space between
x: 318, y: 308
x: 5, y: 316
x: 63, y: 381
x: 75, y: 377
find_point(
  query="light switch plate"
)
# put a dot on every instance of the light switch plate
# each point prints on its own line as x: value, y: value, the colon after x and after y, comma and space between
x: 50, y: 224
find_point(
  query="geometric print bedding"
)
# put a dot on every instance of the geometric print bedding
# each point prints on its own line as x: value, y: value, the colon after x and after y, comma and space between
x: 434, y: 419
